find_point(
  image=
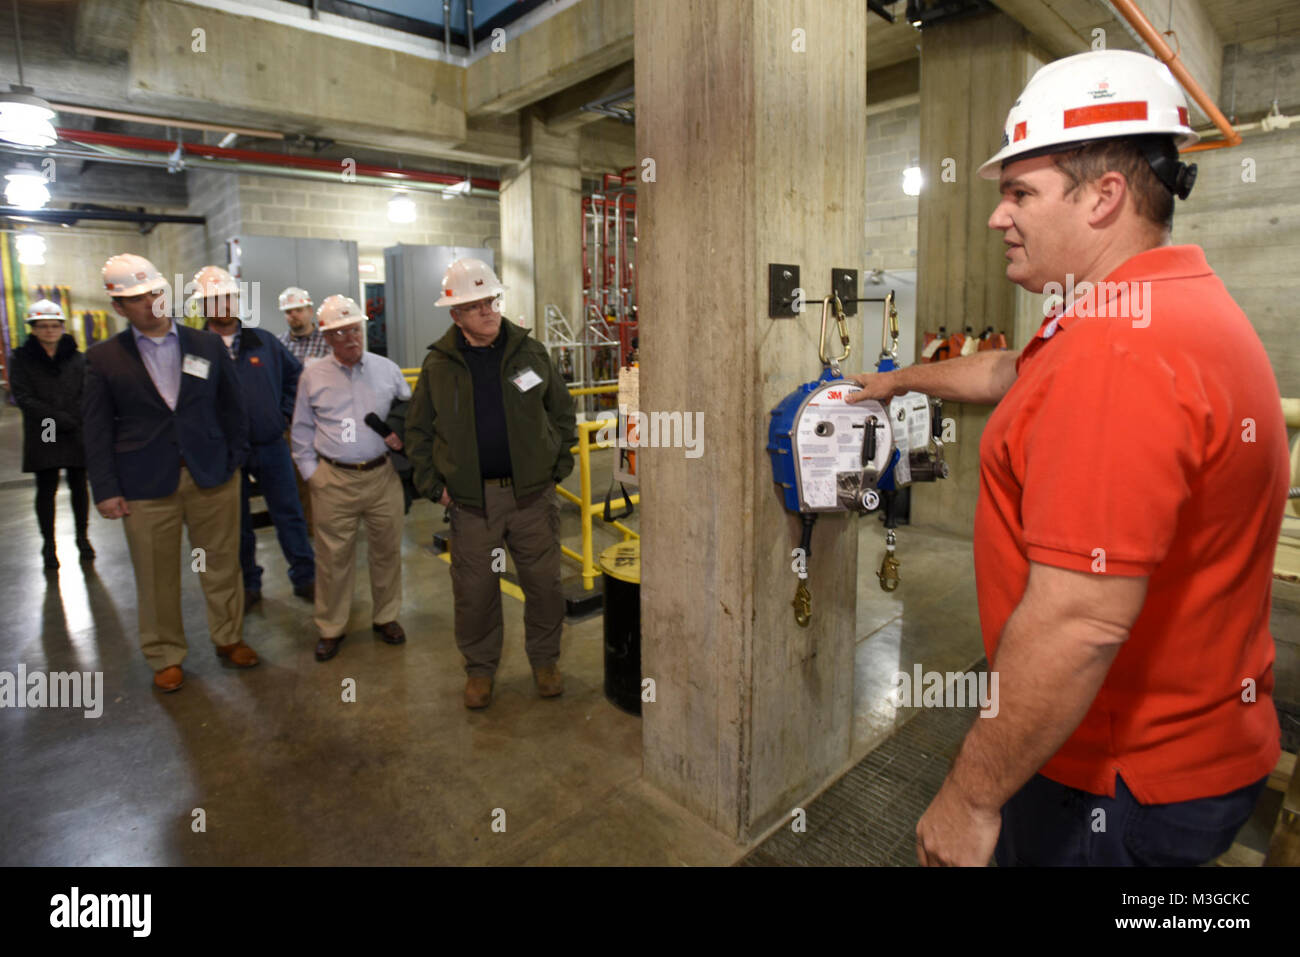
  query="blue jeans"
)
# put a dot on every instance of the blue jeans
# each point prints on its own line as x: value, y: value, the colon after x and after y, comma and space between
x: 1046, y: 823
x: 273, y: 467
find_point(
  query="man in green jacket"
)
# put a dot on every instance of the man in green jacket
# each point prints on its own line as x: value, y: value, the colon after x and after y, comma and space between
x: 488, y: 435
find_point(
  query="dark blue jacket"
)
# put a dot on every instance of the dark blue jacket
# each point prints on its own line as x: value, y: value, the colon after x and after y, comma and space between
x: 268, y: 374
x: 134, y: 442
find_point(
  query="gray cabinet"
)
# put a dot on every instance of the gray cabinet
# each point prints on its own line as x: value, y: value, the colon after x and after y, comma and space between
x: 267, y: 264
x: 412, y: 284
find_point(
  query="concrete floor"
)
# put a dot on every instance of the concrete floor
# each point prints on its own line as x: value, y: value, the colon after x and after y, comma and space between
x: 287, y: 773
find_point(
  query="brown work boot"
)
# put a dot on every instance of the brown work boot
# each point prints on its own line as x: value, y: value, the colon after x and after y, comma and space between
x: 239, y: 655
x: 478, y: 691
x: 550, y: 683
x: 169, y: 679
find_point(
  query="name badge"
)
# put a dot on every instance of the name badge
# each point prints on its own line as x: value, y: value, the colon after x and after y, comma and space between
x: 526, y: 380
x: 196, y: 366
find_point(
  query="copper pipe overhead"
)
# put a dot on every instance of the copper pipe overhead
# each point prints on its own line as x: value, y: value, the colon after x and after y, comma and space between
x: 1129, y: 10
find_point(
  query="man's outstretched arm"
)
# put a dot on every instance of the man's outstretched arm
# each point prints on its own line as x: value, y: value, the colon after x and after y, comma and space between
x: 983, y: 378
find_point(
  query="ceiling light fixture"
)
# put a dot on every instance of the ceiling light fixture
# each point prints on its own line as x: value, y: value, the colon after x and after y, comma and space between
x: 24, y: 116
x: 401, y: 208
x: 31, y: 247
x: 26, y: 188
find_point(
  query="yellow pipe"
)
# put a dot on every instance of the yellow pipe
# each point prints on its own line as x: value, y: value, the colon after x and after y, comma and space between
x: 584, y: 467
x: 595, y: 390
x: 598, y: 508
x: 627, y: 532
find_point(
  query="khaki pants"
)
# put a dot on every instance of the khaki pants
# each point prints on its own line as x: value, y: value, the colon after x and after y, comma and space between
x: 341, y: 498
x: 153, y: 535
x: 532, y: 533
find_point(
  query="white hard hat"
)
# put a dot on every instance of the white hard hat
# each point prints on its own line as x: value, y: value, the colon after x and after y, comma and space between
x: 213, y: 281
x: 1098, y: 95
x: 468, y: 280
x: 337, y: 311
x: 127, y: 274
x: 293, y: 297
x: 44, y: 309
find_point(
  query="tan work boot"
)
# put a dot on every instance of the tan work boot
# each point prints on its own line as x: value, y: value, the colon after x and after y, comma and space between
x: 238, y: 655
x: 478, y: 691
x: 169, y: 679
x: 549, y: 681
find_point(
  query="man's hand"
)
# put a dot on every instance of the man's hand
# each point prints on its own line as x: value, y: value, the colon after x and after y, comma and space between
x: 113, y: 507
x: 393, y: 442
x: 445, y: 501
x: 881, y: 386
x: 953, y: 833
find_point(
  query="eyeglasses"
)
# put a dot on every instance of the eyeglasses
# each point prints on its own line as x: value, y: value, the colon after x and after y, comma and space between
x: 483, y: 305
x: 345, y: 332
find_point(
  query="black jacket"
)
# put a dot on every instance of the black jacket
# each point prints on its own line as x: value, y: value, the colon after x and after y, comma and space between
x: 48, y: 390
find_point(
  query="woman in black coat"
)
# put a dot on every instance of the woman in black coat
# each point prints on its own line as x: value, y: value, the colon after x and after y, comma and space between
x: 46, y: 374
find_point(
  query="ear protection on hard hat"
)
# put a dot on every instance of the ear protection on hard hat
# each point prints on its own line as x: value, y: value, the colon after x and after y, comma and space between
x: 1178, y: 177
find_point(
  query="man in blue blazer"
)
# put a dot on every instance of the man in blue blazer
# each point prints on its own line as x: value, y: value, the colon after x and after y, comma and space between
x: 166, y: 431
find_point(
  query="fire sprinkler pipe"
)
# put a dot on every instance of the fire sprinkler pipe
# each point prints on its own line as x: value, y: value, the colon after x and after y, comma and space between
x: 1129, y: 10
x: 387, y: 175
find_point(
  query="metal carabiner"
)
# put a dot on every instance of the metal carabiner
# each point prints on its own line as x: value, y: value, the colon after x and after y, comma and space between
x: 888, y: 328
x: 802, y: 604
x: 888, y: 573
x: 841, y: 327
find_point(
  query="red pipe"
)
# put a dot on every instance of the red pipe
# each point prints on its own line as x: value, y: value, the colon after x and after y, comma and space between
x: 97, y: 138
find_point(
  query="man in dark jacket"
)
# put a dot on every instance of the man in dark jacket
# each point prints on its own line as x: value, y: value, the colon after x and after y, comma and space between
x: 488, y: 434
x: 46, y: 375
x: 268, y: 375
x: 165, y: 431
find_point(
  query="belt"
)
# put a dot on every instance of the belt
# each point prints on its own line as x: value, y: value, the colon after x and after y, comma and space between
x: 355, y: 466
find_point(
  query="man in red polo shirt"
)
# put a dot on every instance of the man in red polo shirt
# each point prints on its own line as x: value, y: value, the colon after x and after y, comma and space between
x: 1132, y: 481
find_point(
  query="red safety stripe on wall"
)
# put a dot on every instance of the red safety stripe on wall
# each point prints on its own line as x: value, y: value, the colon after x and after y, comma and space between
x: 1105, y: 113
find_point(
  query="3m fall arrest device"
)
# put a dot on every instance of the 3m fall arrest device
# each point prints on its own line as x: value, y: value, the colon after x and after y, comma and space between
x: 832, y: 456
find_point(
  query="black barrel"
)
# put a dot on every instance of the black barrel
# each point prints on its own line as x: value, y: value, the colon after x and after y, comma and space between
x: 621, y: 564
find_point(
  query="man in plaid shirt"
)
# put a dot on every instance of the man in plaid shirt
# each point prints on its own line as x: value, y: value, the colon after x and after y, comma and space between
x: 307, y: 343
x: 303, y: 339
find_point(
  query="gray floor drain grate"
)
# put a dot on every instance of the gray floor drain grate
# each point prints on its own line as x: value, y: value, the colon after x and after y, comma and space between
x: 868, y: 817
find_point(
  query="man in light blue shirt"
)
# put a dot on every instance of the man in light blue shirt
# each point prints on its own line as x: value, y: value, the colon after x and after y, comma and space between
x: 345, y: 463
x: 161, y: 356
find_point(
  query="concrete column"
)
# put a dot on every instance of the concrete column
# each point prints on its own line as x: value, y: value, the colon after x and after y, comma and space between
x: 541, y: 234
x: 753, y: 113
x: 972, y: 70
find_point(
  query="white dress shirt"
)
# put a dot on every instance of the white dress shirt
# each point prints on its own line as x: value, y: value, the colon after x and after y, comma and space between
x: 330, y: 412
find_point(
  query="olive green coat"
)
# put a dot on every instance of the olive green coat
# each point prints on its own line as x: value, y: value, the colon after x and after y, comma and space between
x: 440, y: 437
